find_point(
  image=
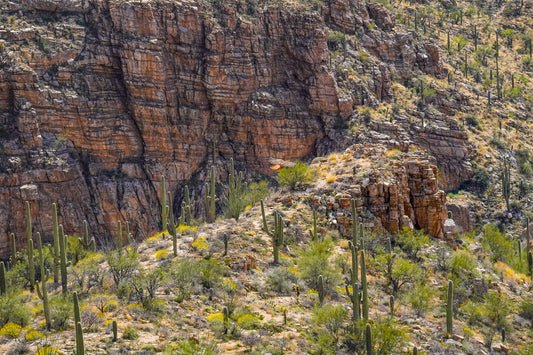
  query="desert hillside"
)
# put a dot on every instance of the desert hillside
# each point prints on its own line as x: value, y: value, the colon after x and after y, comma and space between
x: 288, y: 177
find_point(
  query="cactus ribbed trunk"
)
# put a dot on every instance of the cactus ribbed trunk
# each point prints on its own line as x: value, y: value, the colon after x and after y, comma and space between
x: 313, y: 232
x: 528, y: 237
x: 63, y: 259
x: 42, y: 291
x: 3, y: 284
x: 115, y: 330
x: 172, y: 226
x: 119, y: 237
x: 31, y: 266
x: 265, y: 225
x: 321, y: 290
x: 80, y: 349
x: 87, y: 242
x: 277, y: 236
x: 226, y: 319
x: 210, y: 198
x: 364, y: 286
x: 56, y: 243
x: 13, y: 242
x: 368, y: 340
x: 449, y: 310
x: 164, y: 207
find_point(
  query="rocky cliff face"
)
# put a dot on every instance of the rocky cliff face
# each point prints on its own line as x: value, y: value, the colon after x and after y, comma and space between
x: 100, y: 98
x: 391, y: 192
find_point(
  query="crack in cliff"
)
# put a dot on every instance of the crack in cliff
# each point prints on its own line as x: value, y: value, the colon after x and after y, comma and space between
x: 116, y: 49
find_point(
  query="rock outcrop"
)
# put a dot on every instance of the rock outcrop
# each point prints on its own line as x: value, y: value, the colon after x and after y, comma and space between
x: 402, y: 193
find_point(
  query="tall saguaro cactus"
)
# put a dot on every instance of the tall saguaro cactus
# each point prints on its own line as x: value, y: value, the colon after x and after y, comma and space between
x: 115, y: 330
x: 63, y: 259
x: 164, y: 207
x: 3, y: 284
x: 313, y: 232
x: 263, y: 215
x: 80, y: 349
x: 449, y: 310
x: 31, y: 266
x: 368, y: 340
x: 236, y: 190
x: 42, y: 291
x: 321, y: 289
x: 210, y: 197
x: 186, y: 208
x: 119, y: 237
x: 528, y: 237
x: 172, y: 225
x: 364, y: 286
x: 56, y: 243
x: 13, y: 242
x: 88, y: 242
x: 277, y: 236
x: 530, y: 262
x: 354, y: 296
x: 506, y: 184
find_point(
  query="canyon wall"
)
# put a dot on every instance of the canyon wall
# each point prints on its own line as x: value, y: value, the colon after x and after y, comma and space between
x: 100, y: 98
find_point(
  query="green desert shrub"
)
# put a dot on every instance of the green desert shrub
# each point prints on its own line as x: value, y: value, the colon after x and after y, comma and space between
x: 497, y: 308
x: 480, y: 179
x: 61, y: 311
x: 195, y: 347
x: 328, y: 321
x: 314, y: 261
x: 526, y: 308
x: 281, y: 280
x: 13, y: 309
x: 212, y: 272
x: 292, y: 177
x: 473, y: 311
x: 130, y: 333
x: 411, y: 241
x: 398, y: 271
x: 144, y: 286
x: 183, y: 275
x: 419, y: 298
x: 388, y: 336
x: 122, y: 264
x: 500, y: 246
x: 471, y: 120
x: 462, y: 267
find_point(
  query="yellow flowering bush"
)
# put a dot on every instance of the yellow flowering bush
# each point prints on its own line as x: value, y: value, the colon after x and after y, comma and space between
x: 200, y: 243
x: 34, y: 335
x: 162, y: 254
x: 11, y: 329
x: 215, y: 317
x: 249, y: 321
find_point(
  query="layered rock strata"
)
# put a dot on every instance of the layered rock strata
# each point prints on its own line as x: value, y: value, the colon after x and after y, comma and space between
x: 100, y: 98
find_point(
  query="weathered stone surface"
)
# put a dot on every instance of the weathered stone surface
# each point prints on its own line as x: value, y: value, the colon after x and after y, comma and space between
x: 155, y: 88
x: 49, y: 5
x: 448, y: 146
x: 463, y: 216
x: 399, y: 50
x: 125, y: 92
x: 449, y: 229
x: 406, y: 194
x: 345, y: 15
x: 381, y: 16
